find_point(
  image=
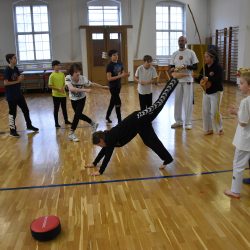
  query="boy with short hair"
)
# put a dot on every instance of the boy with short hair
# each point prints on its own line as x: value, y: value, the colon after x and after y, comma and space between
x: 145, y: 75
x: 57, y: 84
x: 115, y: 72
x: 14, y: 96
x: 78, y: 87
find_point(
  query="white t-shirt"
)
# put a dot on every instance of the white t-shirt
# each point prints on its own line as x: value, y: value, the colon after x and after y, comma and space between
x: 185, y: 57
x: 242, y: 136
x: 83, y: 82
x: 145, y: 75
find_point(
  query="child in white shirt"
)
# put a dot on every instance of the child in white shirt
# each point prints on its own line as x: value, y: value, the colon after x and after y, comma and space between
x: 145, y: 75
x: 242, y: 138
x: 78, y: 87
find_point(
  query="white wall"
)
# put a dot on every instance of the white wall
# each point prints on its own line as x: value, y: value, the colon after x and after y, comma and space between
x: 7, y: 37
x: 244, y: 35
x: 67, y: 15
x: 223, y: 13
x: 226, y: 13
x: 65, y: 34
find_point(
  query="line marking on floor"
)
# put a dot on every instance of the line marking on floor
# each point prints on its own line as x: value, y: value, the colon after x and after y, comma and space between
x: 115, y: 181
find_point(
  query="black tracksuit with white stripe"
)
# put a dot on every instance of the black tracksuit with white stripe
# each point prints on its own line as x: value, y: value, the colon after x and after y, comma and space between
x: 139, y: 122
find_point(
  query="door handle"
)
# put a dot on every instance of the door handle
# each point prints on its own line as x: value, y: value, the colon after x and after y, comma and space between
x: 104, y: 55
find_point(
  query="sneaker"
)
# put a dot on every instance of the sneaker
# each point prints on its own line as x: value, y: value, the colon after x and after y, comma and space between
x: 13, y: 133
x: 32, y: 128
x: 73, y: 137
x: 108, y: 120
x: 221, y: 132
x: 188, y: 127
x: 176, y: 125
x: 209, y: 132
x: 57, y: 126
x: 246, y: 180
x: 68, y: 122
x: 94, y: 126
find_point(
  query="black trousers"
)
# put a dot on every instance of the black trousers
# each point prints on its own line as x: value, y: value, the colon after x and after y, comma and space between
x: 140, y: 122
x: 115, y: 101
x: 78, y: 107
x: 145, y: 100
x: 150, y: 139
x: 60, y: 101
x: 21, y: 103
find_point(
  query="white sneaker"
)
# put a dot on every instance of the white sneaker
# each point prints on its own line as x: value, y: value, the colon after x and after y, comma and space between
x: 94, y: 126
x: 188, y: 127
x: 73, y: 137
x: 176, y: 125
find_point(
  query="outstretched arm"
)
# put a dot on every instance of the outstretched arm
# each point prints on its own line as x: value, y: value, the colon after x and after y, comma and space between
x: 77, y: 90
x: 99, y: 85
x: 105, y: 152
x: 99, y: 156
x: 108, y: 154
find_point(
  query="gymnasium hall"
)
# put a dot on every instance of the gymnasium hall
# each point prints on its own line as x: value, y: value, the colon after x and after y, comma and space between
x: 68, y: 152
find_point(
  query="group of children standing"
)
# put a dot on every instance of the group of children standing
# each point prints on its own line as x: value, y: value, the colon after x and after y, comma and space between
x: 145, y: 76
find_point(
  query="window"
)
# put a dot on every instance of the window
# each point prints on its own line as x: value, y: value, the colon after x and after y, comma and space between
x: 97, y: 36
x: 114, y: 36
x: 169, y: 27
x: 100, y: 14
x: 32, y: 32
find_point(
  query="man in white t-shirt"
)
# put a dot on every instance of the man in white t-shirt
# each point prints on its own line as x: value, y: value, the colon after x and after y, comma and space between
x: 184, y: 61
x: 145, y: 75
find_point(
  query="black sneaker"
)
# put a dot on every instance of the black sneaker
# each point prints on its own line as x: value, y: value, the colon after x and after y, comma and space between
x: 246, y: 180
x: 57, y: 126
x: 13, y: 133
x: 68, y: 123
x: 32, y: 128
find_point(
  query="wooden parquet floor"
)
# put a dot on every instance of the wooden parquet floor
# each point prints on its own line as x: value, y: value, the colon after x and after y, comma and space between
x: 133, y: 205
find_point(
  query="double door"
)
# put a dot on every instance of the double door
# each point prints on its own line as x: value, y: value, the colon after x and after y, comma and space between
x: 101, y: 39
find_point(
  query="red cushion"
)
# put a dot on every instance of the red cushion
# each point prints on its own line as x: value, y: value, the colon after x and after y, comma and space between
x: 45, y: 224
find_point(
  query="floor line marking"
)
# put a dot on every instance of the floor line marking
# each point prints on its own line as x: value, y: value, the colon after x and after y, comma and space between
x: 116, y: 180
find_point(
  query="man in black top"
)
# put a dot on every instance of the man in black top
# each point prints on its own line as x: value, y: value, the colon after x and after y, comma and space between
x: 139, y: 122
x: 114, y: 74
x: 14, y: 96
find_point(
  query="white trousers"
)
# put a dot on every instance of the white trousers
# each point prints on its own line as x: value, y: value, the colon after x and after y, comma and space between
x: 240, y: 162
x: 212, y: 119
x: 183, y: 100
